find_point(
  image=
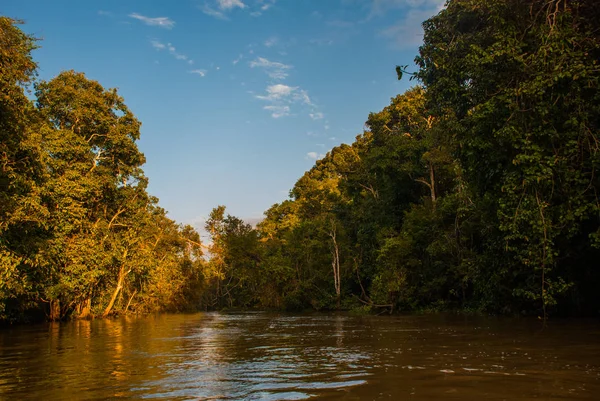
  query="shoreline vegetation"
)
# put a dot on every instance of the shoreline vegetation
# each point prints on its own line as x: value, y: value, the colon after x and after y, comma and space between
x: 477, y: 189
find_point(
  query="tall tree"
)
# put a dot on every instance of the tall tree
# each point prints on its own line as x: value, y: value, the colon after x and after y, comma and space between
x: 22, y: 225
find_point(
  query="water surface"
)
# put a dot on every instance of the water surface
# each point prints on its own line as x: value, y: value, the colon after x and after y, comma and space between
x: 261, y: 356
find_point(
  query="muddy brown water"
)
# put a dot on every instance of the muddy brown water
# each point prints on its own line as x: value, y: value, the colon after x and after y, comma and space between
x: 262, y: 356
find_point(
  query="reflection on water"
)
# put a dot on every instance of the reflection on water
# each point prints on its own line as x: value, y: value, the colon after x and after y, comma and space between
x: 260, y: 356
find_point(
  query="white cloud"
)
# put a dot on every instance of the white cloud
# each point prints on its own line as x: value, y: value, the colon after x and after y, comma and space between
x: 157, y: 45
x: 202, y: 73
x: 172, y: 50
x: 163, y: 22
x: 219, y: 8
x: 273, y: 69
x: 302, y: 96
x: 315, y: 155
x: 230, y: 4
x: 278, y: 111
x: 316, y: 116
x: 265, y: 5
x: 282, y: 96
x: 277, y: 92
x: 263, y: 62
x: 292, y: 94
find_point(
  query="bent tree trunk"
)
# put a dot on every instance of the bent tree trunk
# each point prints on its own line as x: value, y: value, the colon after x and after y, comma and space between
x: 122, y: 274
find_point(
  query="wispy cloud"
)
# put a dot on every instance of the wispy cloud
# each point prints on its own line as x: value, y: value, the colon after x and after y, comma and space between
x: 282, y: 97
x: 287, y: 93
x: 277, y: 92
x: 266, y: 4
x: 220, y: 8
x: 202, y: 73
x: 208, y: 10
x: 163, y: 22
x: 278, y: 111
x: 273, y: 69
x: 316, y: 116
x: 230, y: 4
x: 171, y: 49
x: 263, y: 5
x: 157, y: 45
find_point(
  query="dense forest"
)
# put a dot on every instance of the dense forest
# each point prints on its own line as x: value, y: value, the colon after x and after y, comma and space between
x: 474, y: 190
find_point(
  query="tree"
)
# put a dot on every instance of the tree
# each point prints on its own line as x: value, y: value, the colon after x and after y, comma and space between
x: 22, y: 227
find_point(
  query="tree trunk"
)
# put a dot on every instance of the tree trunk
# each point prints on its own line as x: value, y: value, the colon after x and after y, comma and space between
x: 432, y: 186
x: 122, y: 274
x: 336, y: 266
x: 85, y: 308
x: 54, y: 310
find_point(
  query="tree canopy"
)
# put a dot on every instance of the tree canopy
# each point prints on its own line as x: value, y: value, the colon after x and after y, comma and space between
x: 79, y: 234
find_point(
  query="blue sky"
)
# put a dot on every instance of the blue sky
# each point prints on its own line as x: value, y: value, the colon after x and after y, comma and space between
x: 237, y: 97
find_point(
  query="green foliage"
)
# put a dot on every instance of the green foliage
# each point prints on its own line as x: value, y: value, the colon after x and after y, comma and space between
x: 79, y: 234
x: 476, y: 190
x: 518, y: 85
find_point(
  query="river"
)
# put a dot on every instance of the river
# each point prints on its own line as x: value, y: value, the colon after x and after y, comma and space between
x: 262, y: 356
